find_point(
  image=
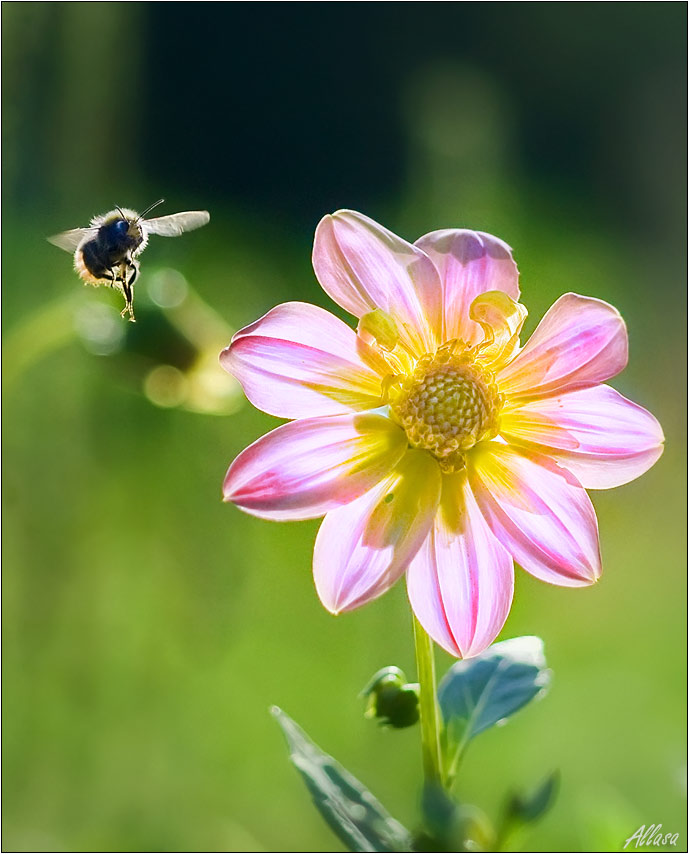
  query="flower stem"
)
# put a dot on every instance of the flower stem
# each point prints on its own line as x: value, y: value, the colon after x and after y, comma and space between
x: 429, y: 713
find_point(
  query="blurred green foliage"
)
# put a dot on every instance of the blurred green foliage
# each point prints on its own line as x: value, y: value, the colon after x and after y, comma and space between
x: 147, y: 626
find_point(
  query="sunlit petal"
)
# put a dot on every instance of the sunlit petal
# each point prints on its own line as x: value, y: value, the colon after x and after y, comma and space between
x: 306, y: 468
x: 469, y: 263
x: 461, y: 581
x: 299, y: 361
x: 538, y: 511
x: 364, y: 547
x: 364, y: 267
x: 599, y: 435
x: 580, y: 342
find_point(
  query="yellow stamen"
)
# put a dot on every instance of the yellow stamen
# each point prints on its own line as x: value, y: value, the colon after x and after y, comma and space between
x: 447, y: 404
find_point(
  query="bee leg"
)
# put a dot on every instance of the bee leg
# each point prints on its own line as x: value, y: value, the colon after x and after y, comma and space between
x: 127, y: 282
x: 128, y: 296
x: 134, y: 267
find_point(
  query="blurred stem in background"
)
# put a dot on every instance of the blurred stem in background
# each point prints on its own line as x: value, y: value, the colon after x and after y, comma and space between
x: 173, y: 360
x: 459, y: 128
x: 85, y: 116
x: 38, y: 335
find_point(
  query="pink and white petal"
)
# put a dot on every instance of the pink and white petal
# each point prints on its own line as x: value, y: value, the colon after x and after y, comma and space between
x: 299, y: 360
x: 604, y: 439
x: 461, y: 581
x: 306, y: 468
x: 539, y: 512
x: 469, y: 263
x: 364, y: 267
x: 594, y: 473
x: 363, y: 548
x: 580, y: 342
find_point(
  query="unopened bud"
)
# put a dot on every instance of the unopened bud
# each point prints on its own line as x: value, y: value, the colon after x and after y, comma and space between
x: 391, y: 700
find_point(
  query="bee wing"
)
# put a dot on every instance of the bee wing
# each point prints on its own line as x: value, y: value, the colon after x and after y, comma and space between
x: 175, y: 224
x: 69, y: 240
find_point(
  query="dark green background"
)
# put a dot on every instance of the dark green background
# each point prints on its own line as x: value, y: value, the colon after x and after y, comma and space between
x: 147, y: 626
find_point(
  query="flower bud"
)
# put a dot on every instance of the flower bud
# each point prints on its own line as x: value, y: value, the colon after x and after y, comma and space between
x: 392, y: 701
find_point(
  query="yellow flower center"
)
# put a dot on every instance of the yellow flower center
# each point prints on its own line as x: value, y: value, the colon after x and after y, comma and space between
x: 446, y: 405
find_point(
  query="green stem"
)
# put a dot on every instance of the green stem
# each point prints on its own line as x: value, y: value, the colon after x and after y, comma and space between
x: 429, y: 713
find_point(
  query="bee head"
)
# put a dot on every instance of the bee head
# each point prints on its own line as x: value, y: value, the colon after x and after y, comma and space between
x: 120, y: 230
x: 128, y: 225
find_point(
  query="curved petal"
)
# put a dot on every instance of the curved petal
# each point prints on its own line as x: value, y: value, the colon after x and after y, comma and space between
x: 600, y: 436
x: 461, y: 581
x: 306, y: 468
x: 363, y: 266
x: 469, y: 263
x: 299, y: 360
x: 501, y: 319
x: 363, y: 548
x: 580, y: 342
x: 538, y: 511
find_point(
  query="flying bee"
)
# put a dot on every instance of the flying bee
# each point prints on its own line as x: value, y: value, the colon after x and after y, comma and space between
x: 106, y: 252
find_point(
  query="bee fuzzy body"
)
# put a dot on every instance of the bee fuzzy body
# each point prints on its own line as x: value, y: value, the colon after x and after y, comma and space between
x: 106, y: 251
x: 84, y: 272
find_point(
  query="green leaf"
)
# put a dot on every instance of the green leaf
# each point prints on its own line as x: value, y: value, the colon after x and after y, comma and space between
x: 440, y: 816
x: 524, y: 808
x: 352, y: 812
x: 451, y: 826
x: 479, y: 692
x: 529, y: 807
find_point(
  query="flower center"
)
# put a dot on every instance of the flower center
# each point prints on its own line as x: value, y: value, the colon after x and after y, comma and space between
x: 447, y: 405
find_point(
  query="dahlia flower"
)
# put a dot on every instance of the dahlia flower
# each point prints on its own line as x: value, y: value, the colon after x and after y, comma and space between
x: 434, y: 445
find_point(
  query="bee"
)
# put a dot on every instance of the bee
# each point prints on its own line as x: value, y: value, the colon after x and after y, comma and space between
x: 106, y: 252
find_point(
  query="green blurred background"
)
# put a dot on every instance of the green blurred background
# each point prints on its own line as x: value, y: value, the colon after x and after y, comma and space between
x: 147, y: 626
